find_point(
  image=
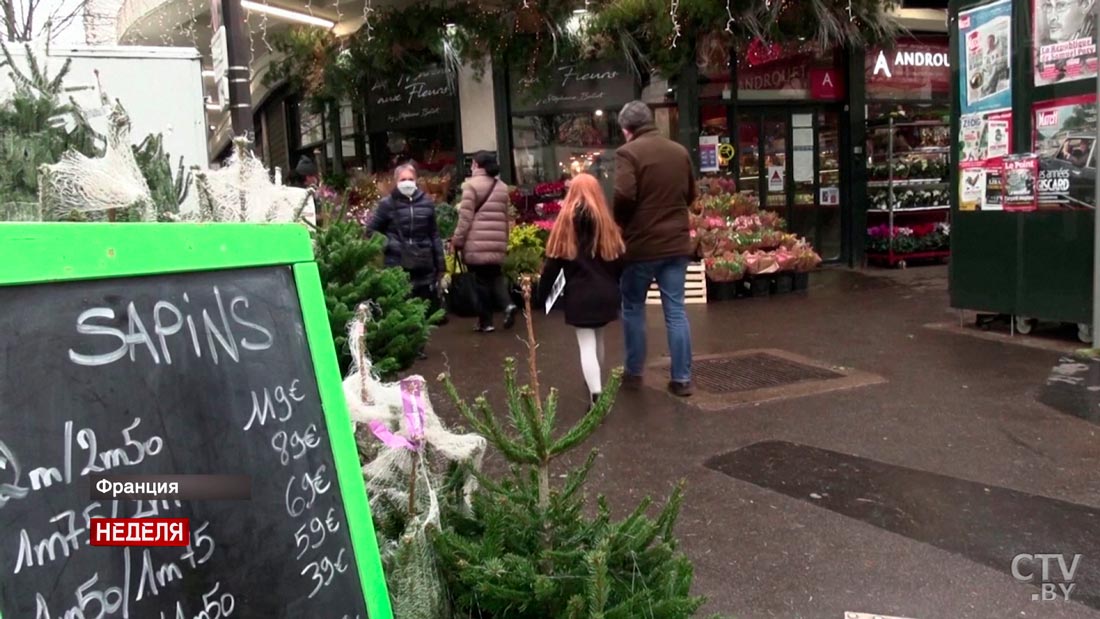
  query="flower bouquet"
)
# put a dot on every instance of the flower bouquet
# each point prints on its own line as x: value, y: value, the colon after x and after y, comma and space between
x: 729, y: 268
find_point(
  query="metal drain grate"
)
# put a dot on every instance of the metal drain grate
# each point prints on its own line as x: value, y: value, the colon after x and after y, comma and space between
x: 753, y: 371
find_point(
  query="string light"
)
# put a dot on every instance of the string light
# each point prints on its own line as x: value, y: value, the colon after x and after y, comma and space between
x: 251, y: 39
x: 850, y: 16
x: 367, y: 10
x: 729, y: 22
x: 673, y: 9
x: 263, y: 31
x: 339, y: 13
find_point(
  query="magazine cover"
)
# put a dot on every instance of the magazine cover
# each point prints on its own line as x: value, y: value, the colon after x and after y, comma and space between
x: 1065, y: 141
x: 984, y: 141
x: 1021, y: 179
x: 986, y: 49
x: 1065, y: 41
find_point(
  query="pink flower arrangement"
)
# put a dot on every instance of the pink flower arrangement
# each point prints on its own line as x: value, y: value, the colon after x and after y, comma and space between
x: 551, y: 209
x: 545, y: 224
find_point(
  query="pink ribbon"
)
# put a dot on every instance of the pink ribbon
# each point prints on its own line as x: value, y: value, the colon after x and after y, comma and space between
x: 412, y: 401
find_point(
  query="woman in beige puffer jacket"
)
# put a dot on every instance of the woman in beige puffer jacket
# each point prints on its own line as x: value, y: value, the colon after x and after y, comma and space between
x: 482, y: 237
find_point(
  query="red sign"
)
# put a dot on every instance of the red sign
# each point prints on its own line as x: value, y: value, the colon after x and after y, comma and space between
x: 140, y: 532
x: 909, y: 70
x: 794, y: 71
x: 826, y: 85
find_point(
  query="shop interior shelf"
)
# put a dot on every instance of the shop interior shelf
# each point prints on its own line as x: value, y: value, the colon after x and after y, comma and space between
x: 894, y: 258
x: 881, y: 124
x: 908, y: 182
x: 914, y: 209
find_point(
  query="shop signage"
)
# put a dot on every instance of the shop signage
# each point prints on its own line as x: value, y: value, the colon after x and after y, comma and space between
x: 1064, y: 139
x: 574, y: 88
x: 771, y: 71
x: 426, y: 98
x: 775, y: 179
x: 708, y: 153
x: 908, y: 70
x: 826, y: 85
x: 207, y: 340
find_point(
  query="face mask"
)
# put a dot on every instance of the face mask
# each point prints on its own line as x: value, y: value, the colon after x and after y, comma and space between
x: 407, y: 187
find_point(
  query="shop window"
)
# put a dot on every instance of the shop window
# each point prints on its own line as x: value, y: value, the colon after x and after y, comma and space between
x: 432, y: 147
x: 311, y: 127
x: 554, y: 147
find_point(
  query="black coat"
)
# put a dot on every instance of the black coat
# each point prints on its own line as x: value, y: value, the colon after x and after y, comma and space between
x: 414, y: 220
x: 591, y: 297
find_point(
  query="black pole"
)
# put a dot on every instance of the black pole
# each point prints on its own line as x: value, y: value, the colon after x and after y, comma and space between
x: 230, y: 14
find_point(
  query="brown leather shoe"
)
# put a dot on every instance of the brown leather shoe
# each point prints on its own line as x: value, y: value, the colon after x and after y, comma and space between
x: 679, y: 389
x: 632, y: 382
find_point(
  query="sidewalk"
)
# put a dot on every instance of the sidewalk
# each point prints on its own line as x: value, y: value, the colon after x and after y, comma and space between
x: 909, y: 497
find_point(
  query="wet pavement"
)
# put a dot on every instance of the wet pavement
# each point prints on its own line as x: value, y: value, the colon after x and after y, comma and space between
x: 908, y: 497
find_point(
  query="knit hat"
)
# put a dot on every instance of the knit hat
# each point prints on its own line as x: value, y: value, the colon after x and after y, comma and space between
x: 635, y: 115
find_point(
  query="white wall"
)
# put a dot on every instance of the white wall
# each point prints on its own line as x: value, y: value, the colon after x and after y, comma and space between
x: 475, y: 99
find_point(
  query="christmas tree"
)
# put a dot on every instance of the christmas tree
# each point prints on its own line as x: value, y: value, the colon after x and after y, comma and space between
x: 36, y: 126
x: 352, y: 273
x: 529, y: 550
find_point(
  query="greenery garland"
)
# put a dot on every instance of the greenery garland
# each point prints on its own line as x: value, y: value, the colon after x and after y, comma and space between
x: 535, y: 34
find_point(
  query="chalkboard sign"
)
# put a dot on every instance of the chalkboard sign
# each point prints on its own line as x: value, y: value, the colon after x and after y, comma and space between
x: 176, y: 349
x: 574, y: 88
x: 427, y: 98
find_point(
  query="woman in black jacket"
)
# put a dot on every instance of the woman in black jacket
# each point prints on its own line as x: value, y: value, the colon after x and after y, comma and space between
x: 407, y: 218
x: 586, y: 249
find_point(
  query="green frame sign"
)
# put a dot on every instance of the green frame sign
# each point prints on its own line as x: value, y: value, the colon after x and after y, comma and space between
x: 42, y: 253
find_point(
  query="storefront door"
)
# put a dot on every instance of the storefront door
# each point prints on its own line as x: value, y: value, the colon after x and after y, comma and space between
x: 790, y: 160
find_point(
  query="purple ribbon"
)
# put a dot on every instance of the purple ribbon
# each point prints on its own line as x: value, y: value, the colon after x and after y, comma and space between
x: 412, y: 401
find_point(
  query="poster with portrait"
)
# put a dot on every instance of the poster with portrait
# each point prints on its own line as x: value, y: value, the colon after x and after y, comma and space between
x: 1065, y: 41
x: 984, y: 142
x: 1065, y: 141
x: 985, y: 71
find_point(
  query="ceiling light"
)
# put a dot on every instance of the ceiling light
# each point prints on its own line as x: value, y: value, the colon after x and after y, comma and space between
x: 208, y: 73
x: 287, y: 14
x: 580, y: 11
x: 599, y: 112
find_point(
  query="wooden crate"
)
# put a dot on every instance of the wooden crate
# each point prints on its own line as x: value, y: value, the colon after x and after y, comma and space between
x: 695, y: 288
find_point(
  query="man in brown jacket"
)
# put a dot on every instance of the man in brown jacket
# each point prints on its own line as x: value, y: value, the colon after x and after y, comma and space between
x: 654, y: 189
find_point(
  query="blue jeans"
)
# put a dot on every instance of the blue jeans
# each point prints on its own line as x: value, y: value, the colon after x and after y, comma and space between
x: 670, y: 274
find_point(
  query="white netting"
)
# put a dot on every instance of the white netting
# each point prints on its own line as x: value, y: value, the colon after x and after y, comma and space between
x: 371, y: 400
x: 242, y: 191
x: 413, y: 448
x: 92, y: 185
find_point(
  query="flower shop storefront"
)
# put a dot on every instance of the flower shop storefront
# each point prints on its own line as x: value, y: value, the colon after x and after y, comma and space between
x: 908, y: 108
x: 771, y: 128
x: 415, y: 119
x: 565, y: 126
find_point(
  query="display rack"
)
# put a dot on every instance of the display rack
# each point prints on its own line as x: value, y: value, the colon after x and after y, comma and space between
x: 909, y: 185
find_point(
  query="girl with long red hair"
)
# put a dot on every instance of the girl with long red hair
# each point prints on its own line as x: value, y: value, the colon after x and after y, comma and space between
x: 586, y: 245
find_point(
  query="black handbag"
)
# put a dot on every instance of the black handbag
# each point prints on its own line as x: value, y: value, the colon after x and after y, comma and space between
x: 415, y: 258
x: 462, y: 293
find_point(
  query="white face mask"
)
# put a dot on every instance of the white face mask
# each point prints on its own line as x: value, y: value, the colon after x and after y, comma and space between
x: 407, y: 187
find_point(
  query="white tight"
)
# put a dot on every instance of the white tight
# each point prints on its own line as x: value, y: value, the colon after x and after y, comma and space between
x: 590, y: 342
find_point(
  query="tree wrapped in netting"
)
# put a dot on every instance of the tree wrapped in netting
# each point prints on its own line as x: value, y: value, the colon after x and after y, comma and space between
x: 413, y: 463
x: 242, y: 191
x: 529, y: 550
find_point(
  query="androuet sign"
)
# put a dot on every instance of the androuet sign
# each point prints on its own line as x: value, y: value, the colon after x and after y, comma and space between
x: 909, y: 70
x: 426, y: 98
x: 575, y: 88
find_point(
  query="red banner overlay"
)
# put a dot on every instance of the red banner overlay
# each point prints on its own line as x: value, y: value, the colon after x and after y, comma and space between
x: 140, y: 531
